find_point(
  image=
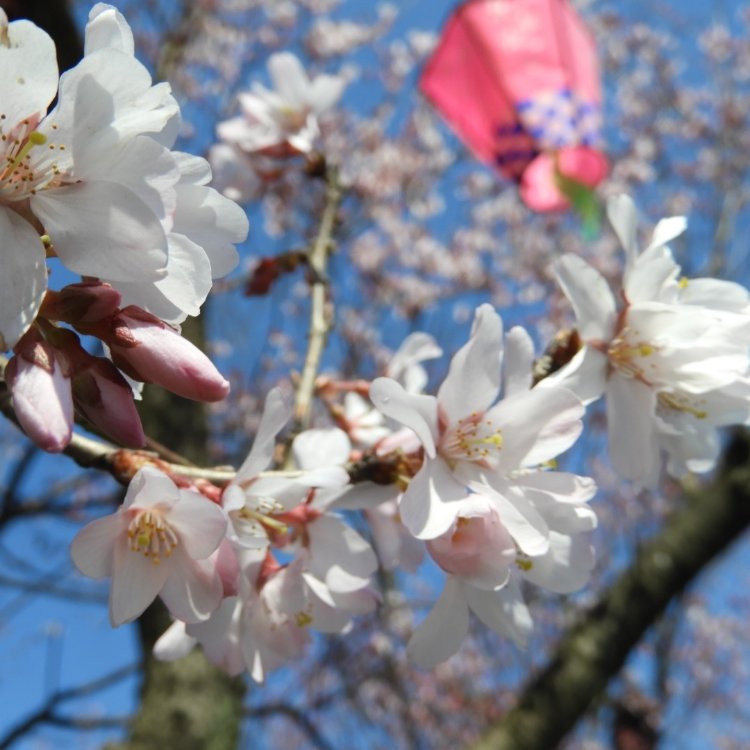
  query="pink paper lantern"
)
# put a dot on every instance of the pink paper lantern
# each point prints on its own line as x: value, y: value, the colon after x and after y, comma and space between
x: 518, y: 81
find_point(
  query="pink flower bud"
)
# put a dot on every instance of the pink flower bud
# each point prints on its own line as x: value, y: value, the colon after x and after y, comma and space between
x: 477, y: 546
x: 104, y: 397
x: 149, y: 350
x: 86, y: 302
x: 41, y: 393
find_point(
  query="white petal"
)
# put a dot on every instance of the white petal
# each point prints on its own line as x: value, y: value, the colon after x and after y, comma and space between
x: 193, y: 590
x: 107, y: 99
x: 181, y: 292
x: 276, y: 413
x: 633, y: 447
x: 473, y: 380
x: 23, y: 280
x: 107, y: 28
x: 585, y: 375
x: 335, y: 547
x: 590, y: 296
x: 536, y: 425
x: 503, y: 611
x: 136, y: 581
x: 289, y: 78
x: 432, y: 500
x: 622, y: 216
x: 323, y: 447
x: 194, y: 170
x: 519, y: 361
x: 102, y: 229
x: 525, y: 524
x: 199, y: 522
x: 29, y: 80
x: 405, y: 365
x: 365, y: 496
x: 212, y: 221
x: 417, y: 412
x: 325, y: 91
x: 650, y: 274
x: 151, y: 488
x: 716, y: 294
x: 174, y: 643
x: 563, y: 486
x: 92, y: 548
x: 566, y: 567
x: 440, y: 635
x: 666, y: 230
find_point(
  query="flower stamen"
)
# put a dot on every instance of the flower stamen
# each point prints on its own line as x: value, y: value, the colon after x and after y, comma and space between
x: 152, y: 536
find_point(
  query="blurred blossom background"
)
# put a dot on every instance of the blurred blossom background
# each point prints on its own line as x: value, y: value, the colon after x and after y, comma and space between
x: 426, y: 233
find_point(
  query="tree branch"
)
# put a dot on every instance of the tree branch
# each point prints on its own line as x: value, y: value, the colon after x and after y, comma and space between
x: 321, y: 313
x: 46, y: 714
x: 594, y: 650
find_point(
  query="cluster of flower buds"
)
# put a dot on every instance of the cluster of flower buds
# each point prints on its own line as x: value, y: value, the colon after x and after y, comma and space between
x: 51, y: 375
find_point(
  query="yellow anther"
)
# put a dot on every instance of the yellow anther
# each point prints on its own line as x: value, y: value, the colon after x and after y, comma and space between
x: 37, y: 138
x: 302, y: 619
x: 683, y: 282
x: 249, y: 514
x: 524, y: 564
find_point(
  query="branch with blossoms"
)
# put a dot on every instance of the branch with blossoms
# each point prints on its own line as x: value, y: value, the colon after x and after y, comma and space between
x: 48, y: 713
x: 250, y: 562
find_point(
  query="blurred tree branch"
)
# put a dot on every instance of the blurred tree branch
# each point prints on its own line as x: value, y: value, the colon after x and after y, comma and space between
x: 47, y: 714
x: 595, y: 649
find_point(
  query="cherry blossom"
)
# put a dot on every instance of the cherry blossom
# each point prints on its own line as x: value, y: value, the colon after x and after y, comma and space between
x: 256, y: 504
x: 469, y: 439
x: 248, y: 632
x: 158, y: 543
x: 283, y: 120
x: 672, y: 360
x: 483, y: 564
x: 103, y: 192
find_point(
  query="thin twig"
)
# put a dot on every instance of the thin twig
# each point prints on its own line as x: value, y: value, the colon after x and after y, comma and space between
x: 46, y: 714
x: 321, y: 313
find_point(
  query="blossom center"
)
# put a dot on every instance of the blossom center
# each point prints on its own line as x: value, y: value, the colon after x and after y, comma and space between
x: 256, y: 520
x: 25, y: 166
x: 292, y: 118
x: 474, y: 438
x: 631, y: 357
x: 152, y: 536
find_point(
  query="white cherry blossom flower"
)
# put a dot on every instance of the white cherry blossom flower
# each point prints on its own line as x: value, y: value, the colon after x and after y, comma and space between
x: 672, y: 360
x: 94, y: 183
x: 284, y: 119
x: 253, y: 502
x: 483, y: 565
x: 249, y: 632
x: 158, y: 543
x: 365, y: 424
x: 470, y: 439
